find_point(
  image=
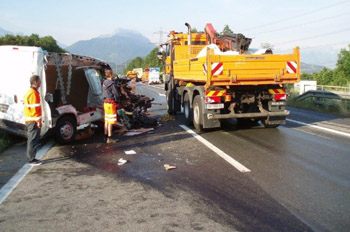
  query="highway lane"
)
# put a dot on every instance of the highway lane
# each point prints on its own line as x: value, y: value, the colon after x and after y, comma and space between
x: 298, y: 182
x: 305, y: 169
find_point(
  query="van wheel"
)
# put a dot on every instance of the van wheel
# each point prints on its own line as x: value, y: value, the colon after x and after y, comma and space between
x: 188, y: 111
x: 66, y: 129
x: 197, y: 113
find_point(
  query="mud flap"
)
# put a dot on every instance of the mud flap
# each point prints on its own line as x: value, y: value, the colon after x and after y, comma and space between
x: 212, y: 123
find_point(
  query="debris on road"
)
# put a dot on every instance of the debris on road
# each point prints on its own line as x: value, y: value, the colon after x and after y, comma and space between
x: 122, y: 161
x: 131, y: 152
x: 138, y: 131
x: 169, y: 167
x: 167, y: 117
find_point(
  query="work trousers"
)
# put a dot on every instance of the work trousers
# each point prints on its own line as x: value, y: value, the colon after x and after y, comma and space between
x: 33, y: 134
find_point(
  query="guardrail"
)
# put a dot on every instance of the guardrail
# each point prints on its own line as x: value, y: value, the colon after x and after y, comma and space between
x: 321, y: 94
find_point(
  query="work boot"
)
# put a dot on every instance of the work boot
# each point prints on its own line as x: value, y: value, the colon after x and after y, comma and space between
x: 110, y: 140
x: 35, y: 162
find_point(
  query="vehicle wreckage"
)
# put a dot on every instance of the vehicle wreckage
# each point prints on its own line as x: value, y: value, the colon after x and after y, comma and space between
x: 71, y: 91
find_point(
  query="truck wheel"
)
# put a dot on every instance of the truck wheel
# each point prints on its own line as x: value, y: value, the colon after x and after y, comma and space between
x: 188, y: 111
x: 170, y: 102
x: 66, y: 129
x: 197, y: 113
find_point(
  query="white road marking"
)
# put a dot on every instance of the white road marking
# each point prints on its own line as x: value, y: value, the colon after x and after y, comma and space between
x: 161, y: 94
x: 320, y: 128
x: 6, y: 190
x: 240, y: 167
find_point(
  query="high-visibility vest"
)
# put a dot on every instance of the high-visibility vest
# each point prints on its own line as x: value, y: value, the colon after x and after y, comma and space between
x: 32, y: 107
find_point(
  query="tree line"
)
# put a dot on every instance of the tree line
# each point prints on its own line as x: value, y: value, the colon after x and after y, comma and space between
x: 47, y: 43
x: 151, y: 60
x: 340, y: 76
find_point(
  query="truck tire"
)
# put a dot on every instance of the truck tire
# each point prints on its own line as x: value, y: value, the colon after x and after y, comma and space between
x: 170, y: 98
x: 197, y: 113
x: 170, y: 101
x: 66, y: 129
x: 188, y: 111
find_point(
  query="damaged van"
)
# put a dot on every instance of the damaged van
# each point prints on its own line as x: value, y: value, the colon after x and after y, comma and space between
x: 71, y: 90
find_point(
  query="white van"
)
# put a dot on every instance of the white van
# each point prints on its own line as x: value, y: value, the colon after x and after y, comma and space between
x: 71, y: 91
x: 153, y: 76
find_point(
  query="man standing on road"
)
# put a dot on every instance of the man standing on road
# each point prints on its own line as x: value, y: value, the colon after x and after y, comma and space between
x: 111, y: 96
x: 32, y: 118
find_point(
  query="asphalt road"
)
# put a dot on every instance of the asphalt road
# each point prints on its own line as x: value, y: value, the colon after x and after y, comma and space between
x: 299, y: 180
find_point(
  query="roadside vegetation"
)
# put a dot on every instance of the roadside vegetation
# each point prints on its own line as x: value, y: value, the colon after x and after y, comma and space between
x: 47, y: 43
x: 340, y: 76
x: 151, y: 60
x: 332, y: 106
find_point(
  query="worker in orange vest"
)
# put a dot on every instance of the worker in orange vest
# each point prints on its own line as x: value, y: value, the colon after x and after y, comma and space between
x: 33, y: 118
x: 111, y: 96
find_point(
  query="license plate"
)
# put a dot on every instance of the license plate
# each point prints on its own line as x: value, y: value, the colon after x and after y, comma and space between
x: 214, y: 106
x: 278, y: 103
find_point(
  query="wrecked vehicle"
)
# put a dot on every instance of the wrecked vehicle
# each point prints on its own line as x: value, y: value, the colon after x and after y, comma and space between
x: 71, y: 91
x: 133, y: 107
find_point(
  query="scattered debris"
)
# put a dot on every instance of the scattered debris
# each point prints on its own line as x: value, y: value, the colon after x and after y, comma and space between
x: 83, y: 134
x: 138, y: 131
x: 122, y: 161
x: 169, y: 167
x: 167, y: 117
x: 131, y: 152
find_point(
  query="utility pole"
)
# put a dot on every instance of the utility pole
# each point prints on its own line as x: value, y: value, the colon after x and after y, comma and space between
x: 160, y: 32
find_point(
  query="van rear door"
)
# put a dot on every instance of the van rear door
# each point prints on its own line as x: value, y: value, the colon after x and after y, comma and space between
x: 17, y: 64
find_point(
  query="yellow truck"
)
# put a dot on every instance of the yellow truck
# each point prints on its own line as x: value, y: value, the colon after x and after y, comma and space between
x: 216, y: 76
x: 131, y: 75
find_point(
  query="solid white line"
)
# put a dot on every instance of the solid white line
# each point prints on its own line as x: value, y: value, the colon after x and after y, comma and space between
x: 161, y: 94
x: 6, y: 190
x: 219, y: 152
x: 320, y: 128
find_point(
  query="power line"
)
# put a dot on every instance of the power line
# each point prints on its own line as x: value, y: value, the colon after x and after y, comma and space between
x: 301, y: 24
x: 299, y: 15
x: 315, y: 36
x: 160, y: 32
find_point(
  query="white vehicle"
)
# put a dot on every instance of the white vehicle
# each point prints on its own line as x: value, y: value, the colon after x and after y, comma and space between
x: 153, y: 76
x: 139, y: 72
x: 71, y: 92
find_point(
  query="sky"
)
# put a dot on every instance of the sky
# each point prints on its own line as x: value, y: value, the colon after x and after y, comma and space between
x: 284, y: 24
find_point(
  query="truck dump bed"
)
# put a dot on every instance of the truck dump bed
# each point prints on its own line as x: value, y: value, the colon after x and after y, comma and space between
x: 231, y: 70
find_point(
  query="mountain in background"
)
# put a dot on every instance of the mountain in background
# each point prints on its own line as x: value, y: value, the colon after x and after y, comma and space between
x: 310, y: 68
x: 318, y: 56
x: 117, y: 48
x: 5, y: 32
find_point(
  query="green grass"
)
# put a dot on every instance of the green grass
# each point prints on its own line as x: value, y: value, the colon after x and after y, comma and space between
x: 5, y: 140
x: 337, y: 107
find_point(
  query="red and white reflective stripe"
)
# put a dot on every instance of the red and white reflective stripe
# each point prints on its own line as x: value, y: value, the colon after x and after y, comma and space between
x: 205, y: 69
x: 216, y: 69
x: 291, y: 67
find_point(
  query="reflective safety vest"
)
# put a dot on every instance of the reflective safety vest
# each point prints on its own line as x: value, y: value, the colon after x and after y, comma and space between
x: 32, y: 107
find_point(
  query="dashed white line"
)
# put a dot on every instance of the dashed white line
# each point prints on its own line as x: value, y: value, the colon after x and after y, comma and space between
x: 240, y: 167
x: 320, y: 128
x: 6, y: 190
